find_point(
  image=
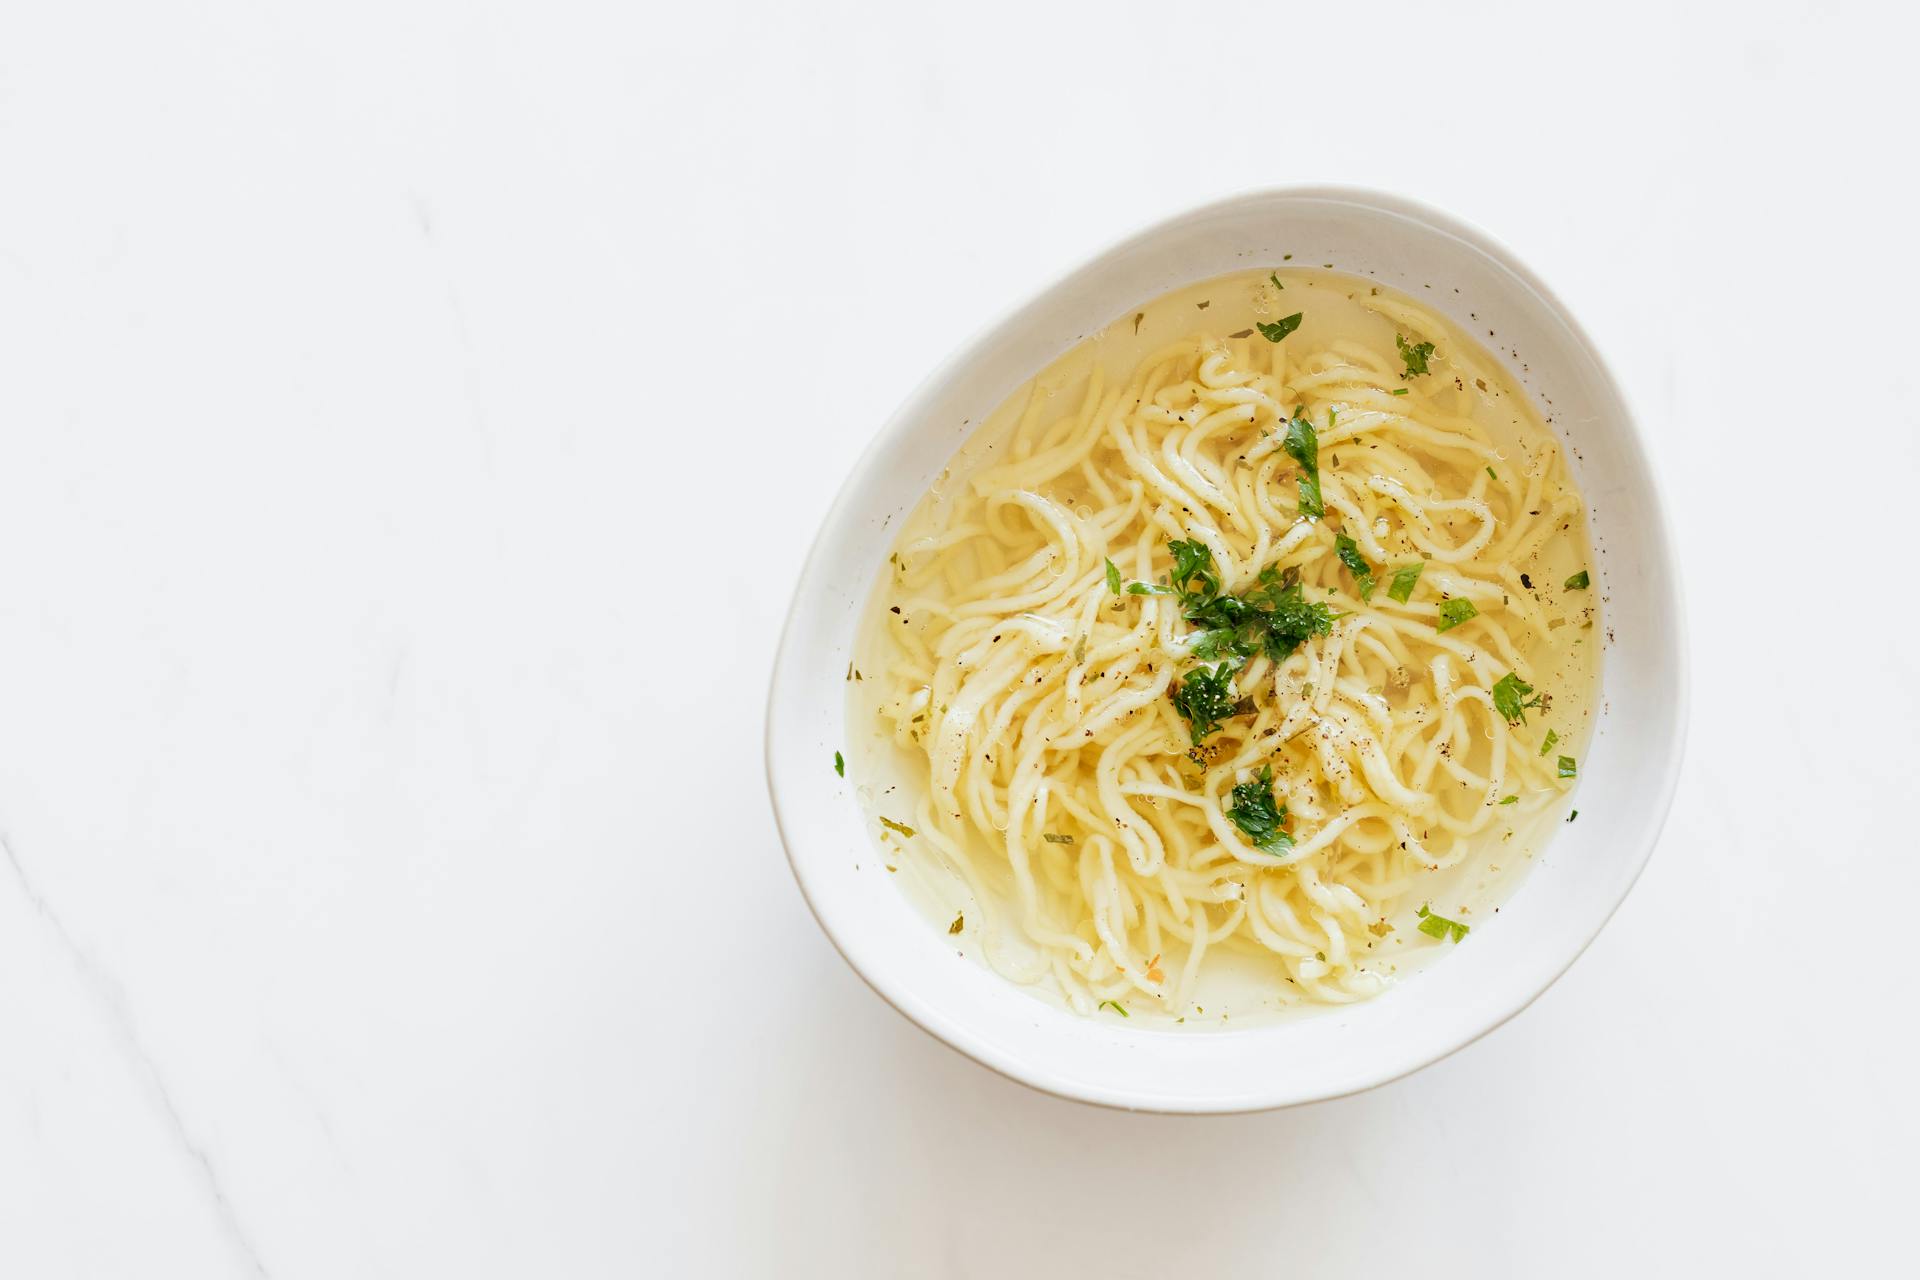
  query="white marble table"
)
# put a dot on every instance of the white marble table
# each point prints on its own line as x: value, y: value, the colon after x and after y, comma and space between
x: 413, y: 416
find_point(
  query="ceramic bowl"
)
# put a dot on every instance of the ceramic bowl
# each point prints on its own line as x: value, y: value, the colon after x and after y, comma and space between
x: 1627, y: 773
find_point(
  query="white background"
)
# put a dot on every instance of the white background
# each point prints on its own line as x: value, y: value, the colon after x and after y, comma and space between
x: 412, y: 417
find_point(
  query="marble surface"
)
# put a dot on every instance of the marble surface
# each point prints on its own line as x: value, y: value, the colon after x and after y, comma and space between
x: 413, y: 416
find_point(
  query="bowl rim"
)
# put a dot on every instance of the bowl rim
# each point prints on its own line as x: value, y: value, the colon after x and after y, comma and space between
x: 1021, y: 1071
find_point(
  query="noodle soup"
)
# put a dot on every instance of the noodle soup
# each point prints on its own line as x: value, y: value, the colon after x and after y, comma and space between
x: 1238, y: 663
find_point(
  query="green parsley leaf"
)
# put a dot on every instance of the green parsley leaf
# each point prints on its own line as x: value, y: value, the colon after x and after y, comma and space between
x: 1547, y: 744
x: 1288, y: 618
x: 1193, y: 562
x: 1401, y: 588
x: 1510, y: 698
x: 1349, y: 553
x: 1051, y: 838
x: 1303, y: 446
x: 1275, y: 617
x: 1566, y: 766
x: 1511, y: 800
x: 1280, y: 328
x: 1115, y: 1006
x: 1579, y: 581
x: 1148, y: 589
x: 1453, y: 612
x: 1492, y: 476
x: 1255, y: 812
x: 1573, y: 815
x: 839, y: 765
x: 1275, y: 277
x: 1414, y: 355
x: 1398, y: 391
x: 1440, y: 927
x: 1205, y: 698
x: 1113, y: 577
x: 1210, y: 646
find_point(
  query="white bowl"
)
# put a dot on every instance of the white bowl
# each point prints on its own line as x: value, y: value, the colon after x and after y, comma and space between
x: 1627, y: 774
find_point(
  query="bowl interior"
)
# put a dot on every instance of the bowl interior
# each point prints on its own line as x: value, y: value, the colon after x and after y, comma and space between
x: 1578, y: 879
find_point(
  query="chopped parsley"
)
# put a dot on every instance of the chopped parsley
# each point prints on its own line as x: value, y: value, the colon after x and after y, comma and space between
x: 839, y: 764
x: 1454, y: 612
x: 1205, y: 697
x: 1573, y: 815
x: 1349, y: 552
x: 1414, y: 355
x: 1440, y: 927
x: 1398, y: 391
x: 1511, y: 800
x: 1491, y: 476
x: 1052, y: 838
x: 1510, y: 698
x: 1113, y: 577
x: 1579, y: 581
x: 1279, y: 328
x: 1274, y: 618
x: 1275, y: 277
x: 1114, y: 1005
x: 1148, y: 589
x: 1256, y: 813
x: 959, y: 922
x: 1567, y: 768
x: 1547, y: 744
x: 900, y: 827
x: 1304, y: 448
x: 1193, y: 562
x: 1401, y: 588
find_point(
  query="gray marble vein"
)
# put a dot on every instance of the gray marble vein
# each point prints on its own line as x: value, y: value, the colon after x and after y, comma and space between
x: 113, y: 1001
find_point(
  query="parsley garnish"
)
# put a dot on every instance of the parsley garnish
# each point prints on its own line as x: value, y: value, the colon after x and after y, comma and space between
x: 1274, y: 618
x: 1349, y: 553
x: 1255, y: 812
x: 1547, y: 745
x: 1148, y: 589
x: 1579, y: 581
x: 1275, y: 277
x: 1573, y: 815
x: 1401, y: 588
x: 1566, y: 766
x: 1304, y: 448
x: 1440, y: 927
x: 901, y: 827
x: 1113, y: 577
x: 1205, y: 698
x: 1492, y: 476
x: 839, y: 765
x: 1454, y: 612
x: 1051, y: 838
x: 1414, y: 354
x: 959, y: 922
x: 1280, y: 328
x: 1193, y: 562
x: 1398, y: 391
x: 1510, y: 698
x: 1511, y: 800
x: 1115, y: 1006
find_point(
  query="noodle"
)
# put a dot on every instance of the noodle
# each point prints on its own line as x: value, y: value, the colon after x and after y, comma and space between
x: 1057, y: 775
